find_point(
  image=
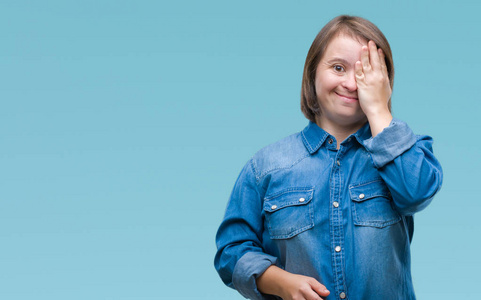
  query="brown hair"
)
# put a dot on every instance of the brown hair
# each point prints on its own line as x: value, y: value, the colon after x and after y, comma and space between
x: 352, y: 26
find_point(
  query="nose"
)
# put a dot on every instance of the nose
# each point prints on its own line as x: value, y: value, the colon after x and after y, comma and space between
x: 349, y: 82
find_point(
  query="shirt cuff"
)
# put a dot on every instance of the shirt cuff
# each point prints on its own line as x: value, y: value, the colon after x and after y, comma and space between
x: 393, y: 141
x: 247, y: 269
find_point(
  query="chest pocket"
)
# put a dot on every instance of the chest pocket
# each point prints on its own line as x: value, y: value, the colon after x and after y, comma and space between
x: 289, y: 212
x: 372, y: 205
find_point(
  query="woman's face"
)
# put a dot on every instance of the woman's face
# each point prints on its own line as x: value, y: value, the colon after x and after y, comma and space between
x: 336, y: 86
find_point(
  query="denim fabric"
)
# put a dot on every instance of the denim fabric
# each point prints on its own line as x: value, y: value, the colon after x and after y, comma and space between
x: 342, y: 216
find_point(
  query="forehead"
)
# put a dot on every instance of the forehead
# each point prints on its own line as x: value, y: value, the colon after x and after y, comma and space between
x: 345, y: 46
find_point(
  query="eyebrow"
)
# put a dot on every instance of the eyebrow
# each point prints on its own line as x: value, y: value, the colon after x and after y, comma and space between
x: 338, y: 59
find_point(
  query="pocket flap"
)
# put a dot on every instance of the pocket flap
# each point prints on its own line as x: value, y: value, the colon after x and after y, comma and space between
x: 365, y: 191
x: 288, y: 197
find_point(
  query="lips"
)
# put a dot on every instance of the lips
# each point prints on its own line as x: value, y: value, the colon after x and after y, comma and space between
x: 348, y: 97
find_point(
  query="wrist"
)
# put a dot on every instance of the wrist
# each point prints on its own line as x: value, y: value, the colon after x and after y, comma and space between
x: 378, y: 121
x: 376, y: 112
x: 271, y: 281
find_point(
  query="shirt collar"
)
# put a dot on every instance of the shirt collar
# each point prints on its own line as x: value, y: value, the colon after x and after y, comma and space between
x: 363, y: 133
x: 314, y: 136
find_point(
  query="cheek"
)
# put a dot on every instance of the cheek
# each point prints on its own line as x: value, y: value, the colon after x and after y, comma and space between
x: 320, y: 82
x: 316, y: 83
x: 318, y: 87
x: 325, y: 84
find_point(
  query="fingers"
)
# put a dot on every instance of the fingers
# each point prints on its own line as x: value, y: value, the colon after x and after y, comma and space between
x: 382, y: 57
x: 358, y: 71
x: 372, y: 59
x: 374, y: 56
x: 311, y: 295
x: 319, y: 288
x: 365, y: 58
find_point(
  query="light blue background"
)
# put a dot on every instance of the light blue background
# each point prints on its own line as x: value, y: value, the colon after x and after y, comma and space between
x: 124, y: 124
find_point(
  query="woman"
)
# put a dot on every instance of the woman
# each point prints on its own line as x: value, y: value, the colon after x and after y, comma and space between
x: 327, y: 213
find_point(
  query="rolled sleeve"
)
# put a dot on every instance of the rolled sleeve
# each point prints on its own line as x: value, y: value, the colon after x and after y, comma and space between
x: 247, y: 270
x: 407, y: 165
x: 240, y: 258
x: 393, y: 141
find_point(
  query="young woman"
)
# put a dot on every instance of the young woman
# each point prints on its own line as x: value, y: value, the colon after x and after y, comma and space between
x: 327, y: 213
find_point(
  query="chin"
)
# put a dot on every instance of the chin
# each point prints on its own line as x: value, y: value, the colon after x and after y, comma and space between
x: 352, y: 120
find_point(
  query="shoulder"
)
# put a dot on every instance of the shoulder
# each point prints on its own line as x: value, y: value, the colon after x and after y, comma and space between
x: 280, y: 155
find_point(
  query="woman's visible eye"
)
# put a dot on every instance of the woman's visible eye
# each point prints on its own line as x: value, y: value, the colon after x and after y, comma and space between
x: 338, y: 68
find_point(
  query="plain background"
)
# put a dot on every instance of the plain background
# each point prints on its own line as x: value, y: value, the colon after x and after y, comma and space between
x: 124, y: 124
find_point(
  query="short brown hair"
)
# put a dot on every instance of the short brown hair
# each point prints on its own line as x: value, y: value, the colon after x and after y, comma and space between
x: 352, y: 26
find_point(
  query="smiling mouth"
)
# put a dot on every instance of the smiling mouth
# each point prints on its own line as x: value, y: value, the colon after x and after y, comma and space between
x: 350, y: 98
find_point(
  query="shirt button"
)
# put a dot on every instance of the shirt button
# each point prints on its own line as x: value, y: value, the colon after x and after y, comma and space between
x: 273, y: 207
x: 330, y: 141
x: 302, y: 199
x: 335, y: 204
x: 338, y: 248
x: 342, y: 295
x: 338, y: 163
x: 361, y: 196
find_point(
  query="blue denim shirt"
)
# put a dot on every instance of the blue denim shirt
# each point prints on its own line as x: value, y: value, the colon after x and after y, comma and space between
x: 343, y: 216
